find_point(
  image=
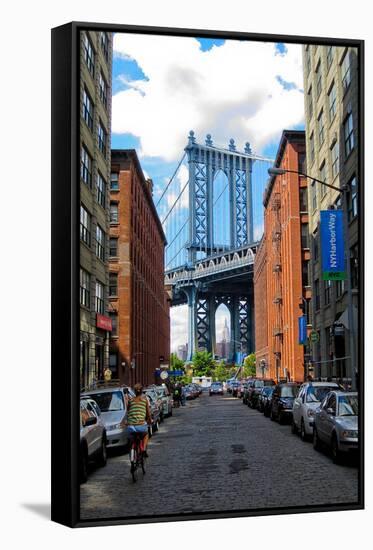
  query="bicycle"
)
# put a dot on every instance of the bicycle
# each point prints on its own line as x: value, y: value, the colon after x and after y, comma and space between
x: 137, y: 455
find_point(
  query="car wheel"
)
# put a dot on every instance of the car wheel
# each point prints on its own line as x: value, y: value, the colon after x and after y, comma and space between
x: 336, y: 453
x: 83, y: 465
x: 316, y: 440
x: 281, y: 418
x: 272, y: 415
x: 294, y: 429
x: 303, y: 434
x: 102, y: 457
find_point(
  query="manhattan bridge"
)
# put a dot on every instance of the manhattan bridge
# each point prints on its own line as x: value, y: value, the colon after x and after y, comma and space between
x: 212, y: 215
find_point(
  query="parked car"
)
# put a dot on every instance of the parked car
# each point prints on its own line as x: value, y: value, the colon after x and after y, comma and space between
x: 216, y: 388
x: 305, y: 404
x: 229, y: 385
x: 92, y: 437
x: 164, y: 394
x: 254, y: 390
x: 155, y: 411
x: 235, y: 385
x: 336, y: 424
x: 151, y: 390
x: 282, y: 401
x: 112, y: 403
x: 266, y: 399
x: 248, y: 384
x: 189, y: 394
x: 261, y: 396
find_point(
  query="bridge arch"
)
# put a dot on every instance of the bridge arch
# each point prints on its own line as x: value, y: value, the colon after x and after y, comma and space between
x: 221, y: 214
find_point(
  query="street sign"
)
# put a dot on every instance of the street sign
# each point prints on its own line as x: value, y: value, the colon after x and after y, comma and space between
x: 332, y: 245
x: 302, y: 330
x: 314, y: 336
x: 164, y: 375
x: 175, y: 372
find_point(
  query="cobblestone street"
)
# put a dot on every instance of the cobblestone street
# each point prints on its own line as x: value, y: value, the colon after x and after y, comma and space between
x: 216, y: 454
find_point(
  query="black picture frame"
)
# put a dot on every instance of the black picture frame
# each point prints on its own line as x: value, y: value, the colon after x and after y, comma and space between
x: 65, y: 269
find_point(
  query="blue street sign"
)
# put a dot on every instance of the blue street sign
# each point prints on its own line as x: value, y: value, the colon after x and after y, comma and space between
x: 332, y: 245
x: 302, y: 330
x: 175, y: 372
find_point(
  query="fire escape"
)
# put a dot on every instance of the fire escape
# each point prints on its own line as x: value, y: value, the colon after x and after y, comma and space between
x: 277, y: 273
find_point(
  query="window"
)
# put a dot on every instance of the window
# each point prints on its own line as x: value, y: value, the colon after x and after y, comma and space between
x: 303, y: 202
x: 332, y: 101
x: 113, y: 284
x: 310, y: 103
x: 312, y: 148
x: 86, y: 166
x: 102, y: 138
x: 354, y: 263
x: 114, y: 212
x: 352, y: 198
x: 305, y: 279
x: 85, y: 225
x: 327, y: 287
x: 320, y: 126
x: 114, y: 181
x: 101, y: 190
x: 322, y: 177
x: 335, y: 159
x: 329, y: 56
x: 113, y: 246
x: 346, y: 71
x: 99, y: 297
x: 304, y: 235
x: 317, y: 295
x: 88, y: 109
x: 348, y: 131
x: 114, y: 324
x: 314, y: 195
x: 339, y: 288
x: 104, y: 39
x: 85, y: 282
x: 100, y: 243
x: 103, y: 87
x: 302, y: 162
x: 89, y: 54
x: 318, y: 80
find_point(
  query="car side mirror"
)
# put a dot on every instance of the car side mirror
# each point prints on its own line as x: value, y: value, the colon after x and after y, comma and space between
x: 90, y: 421
x: 331, y: 411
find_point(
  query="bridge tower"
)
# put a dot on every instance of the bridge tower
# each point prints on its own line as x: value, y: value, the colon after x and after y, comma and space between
x: 234, y: 289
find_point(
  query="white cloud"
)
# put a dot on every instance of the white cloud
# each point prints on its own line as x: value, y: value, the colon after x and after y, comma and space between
x: 228, y: 91
x: 179, y: 326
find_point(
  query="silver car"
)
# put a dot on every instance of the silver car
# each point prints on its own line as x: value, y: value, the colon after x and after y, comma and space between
x: 166, y: 398
x: 310, y: 395
x: 92, y: 437
x: 336, y: 424
x: 112, y: 403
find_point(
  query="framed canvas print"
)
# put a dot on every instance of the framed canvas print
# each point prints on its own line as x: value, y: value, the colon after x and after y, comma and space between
x: 207, y: 274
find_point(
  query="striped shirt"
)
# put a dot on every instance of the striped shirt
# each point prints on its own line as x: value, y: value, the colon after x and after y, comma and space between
x: 137, y: 411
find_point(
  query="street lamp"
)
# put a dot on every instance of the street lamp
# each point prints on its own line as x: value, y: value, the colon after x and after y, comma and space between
x: 343, y: 190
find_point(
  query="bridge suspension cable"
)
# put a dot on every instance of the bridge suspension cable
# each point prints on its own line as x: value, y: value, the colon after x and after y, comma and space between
x: 175, y: 203
x: 169, y: 183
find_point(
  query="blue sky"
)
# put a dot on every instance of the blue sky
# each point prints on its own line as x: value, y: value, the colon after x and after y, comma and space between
x: 165, y: 86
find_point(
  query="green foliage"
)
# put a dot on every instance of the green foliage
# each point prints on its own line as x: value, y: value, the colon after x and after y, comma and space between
x: 221, y: 371
x: 249, y: 367
x: 203, y: 363
x: 175, y: 362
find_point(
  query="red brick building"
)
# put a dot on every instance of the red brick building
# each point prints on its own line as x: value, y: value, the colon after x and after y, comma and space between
x: 281, y: 284
x: 139, y: 307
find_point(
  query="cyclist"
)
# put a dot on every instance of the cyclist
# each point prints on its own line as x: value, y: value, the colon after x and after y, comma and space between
x: 139, y: 416
x: 177, y: 394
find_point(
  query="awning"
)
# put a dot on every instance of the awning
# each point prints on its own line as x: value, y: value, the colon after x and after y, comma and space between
x: 344, y: 320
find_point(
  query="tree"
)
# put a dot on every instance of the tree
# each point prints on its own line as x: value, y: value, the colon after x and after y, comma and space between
x: 203, y: 363
x: 249, y: 365
x: 221, y: 372
x: 175, y: 362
